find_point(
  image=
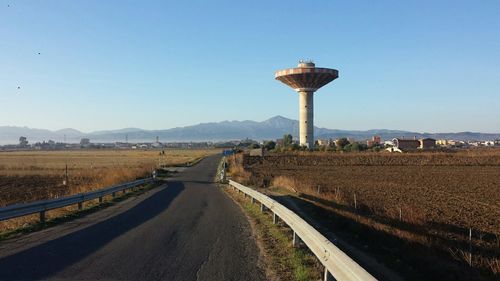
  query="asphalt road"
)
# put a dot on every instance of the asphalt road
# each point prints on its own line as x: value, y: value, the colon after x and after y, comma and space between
x: 185, y: 230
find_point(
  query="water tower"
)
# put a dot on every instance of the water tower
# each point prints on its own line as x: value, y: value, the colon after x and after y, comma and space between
x: 306, y: 79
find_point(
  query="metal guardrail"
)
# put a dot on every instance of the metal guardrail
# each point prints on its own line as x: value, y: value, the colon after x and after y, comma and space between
x: 19, y: 210
x: 337, y: 264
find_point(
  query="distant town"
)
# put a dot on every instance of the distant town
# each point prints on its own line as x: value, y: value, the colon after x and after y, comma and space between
x: 287, y: 143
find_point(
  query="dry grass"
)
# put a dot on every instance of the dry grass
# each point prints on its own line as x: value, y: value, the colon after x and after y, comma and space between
x: 284, y: 262
x: 285, y: 182
x: 50, y: 162
x: 428, y: 198
x: 36, y: 175
x: 236, y: 169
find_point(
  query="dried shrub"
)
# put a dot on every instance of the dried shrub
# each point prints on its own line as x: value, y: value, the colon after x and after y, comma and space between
x: 285, y: 182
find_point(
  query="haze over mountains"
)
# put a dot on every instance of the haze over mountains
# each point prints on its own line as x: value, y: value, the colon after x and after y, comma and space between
x: 272, y: 128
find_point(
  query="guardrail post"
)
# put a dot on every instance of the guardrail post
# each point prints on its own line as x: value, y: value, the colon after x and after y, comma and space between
x: 295, y: 240
x: 252, y: 200
x: 80, y: 204
x: 328, y: 276
x: 309, y: 237
x: 113, y: 194
x: 42, y: 217
x: 41, y: 207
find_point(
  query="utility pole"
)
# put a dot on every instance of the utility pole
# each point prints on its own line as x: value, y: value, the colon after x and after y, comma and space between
x: 66, y: 175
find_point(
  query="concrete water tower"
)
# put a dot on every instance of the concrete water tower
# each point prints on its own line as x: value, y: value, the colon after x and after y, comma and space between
x: 306, y: 79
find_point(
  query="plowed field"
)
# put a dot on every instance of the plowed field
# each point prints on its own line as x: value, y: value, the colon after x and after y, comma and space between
x: 435, y: 197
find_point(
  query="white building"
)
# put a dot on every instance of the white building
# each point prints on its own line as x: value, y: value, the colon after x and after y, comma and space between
x: 489, y: 143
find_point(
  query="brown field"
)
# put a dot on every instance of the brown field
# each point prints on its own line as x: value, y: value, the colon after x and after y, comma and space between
x: 35, y: 175
x: 429, y: 198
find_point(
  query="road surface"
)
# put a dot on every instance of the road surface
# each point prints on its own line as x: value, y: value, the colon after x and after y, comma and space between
x: 185, y: 230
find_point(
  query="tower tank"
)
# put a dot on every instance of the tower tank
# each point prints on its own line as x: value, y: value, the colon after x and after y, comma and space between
x: 306, y: 79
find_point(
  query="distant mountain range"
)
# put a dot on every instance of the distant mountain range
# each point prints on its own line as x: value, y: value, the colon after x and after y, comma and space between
x: 272, y: 128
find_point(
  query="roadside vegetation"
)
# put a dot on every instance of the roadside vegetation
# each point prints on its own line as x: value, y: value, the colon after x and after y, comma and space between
x: 414, y: 207
x: 288, y: 145
x: 283, y: 261
x: 28, y: 176
x: 70, y: 213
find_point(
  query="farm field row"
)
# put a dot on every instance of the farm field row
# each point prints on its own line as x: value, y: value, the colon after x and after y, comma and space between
x: 36, y: 175
x: 435, y: 197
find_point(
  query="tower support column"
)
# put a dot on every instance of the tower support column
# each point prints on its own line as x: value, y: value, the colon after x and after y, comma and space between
x: 306, y: 118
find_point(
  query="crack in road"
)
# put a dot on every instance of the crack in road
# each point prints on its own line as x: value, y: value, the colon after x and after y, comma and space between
x: 214, y: 247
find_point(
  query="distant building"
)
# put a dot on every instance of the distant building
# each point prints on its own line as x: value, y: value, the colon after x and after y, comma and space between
x: 405, y: 145
x: 489, y: 143
x: 388, y: 143
x: 103, y: 145
x: 394, y: 149
x: 402, y: 145
x: 474, y: 143
x: 157, y: 145
x: 427, y: 143
x: 84, y: 141
x: 122, y: 145
x: 451, y: 143
x: 374, y: 141
x: 443, y: 142
x: 323, y: 142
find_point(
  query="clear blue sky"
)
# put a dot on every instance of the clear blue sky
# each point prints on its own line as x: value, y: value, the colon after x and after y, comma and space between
x: 430, y: 66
